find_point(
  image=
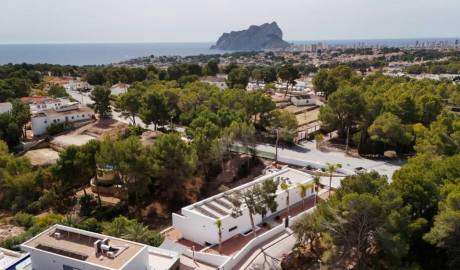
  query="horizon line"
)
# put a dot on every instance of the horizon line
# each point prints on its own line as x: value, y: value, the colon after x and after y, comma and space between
x: 212, y: 42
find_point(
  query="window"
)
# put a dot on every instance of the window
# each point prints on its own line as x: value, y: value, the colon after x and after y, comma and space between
x: 232, y: 228
x: 72, y: 117
x: 45, y: 122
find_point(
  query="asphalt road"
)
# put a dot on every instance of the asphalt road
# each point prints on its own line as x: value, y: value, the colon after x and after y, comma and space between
x: 308, y: 151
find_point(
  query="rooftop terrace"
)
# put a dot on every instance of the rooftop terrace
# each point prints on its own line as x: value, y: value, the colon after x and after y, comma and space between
x: 220, y: 205
x: 83, y: 246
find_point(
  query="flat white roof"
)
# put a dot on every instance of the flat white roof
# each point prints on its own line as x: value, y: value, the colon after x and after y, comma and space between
x: 219, y: 206
x: 8, y: 257
x: 78, y: 245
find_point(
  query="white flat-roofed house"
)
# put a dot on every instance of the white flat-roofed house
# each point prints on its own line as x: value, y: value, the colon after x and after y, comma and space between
x: 119, y: 88
x: 5, y: 107
x: 78, y: 85
x: 65, y: 248
x: 69, y: 113
x: 303, y: 100
x: 47, y: 104
x: 11, y: 260
x: 197, y: 222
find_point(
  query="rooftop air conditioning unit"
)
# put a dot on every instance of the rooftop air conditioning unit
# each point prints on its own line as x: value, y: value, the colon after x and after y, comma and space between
x: 111, y: 254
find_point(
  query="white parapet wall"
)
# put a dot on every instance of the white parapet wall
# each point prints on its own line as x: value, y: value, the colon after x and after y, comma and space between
x: 197, y: 222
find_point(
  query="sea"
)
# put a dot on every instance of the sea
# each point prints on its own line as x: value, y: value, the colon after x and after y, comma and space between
x: 108, y: 53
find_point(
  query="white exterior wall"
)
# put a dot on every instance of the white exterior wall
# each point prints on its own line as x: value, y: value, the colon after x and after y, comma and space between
x: 117, y: 90
x: 39, y: 107
x: 6, y: 107
x: 41, y: 123
x: 196, y: 227
x: 42, y: 260
x: 302, y: 101
x: 140, y: 262
x: 201, y: 229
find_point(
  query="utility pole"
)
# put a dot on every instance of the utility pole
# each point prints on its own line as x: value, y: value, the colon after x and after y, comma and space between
x: 276, y: 146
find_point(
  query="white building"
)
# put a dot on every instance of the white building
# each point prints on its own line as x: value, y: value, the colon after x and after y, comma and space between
x: 303, y: 100
x: 47, y: 104
x: 65, y: 248
x: 119, y: 88
x: 197, y: 222
x: 68, y: 113
x: 255, y: 86
x: 11, y: 260
x: 78, y: 85
x: 6, y: 107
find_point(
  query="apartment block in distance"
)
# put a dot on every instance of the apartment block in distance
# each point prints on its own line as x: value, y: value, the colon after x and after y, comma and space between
x: 66, y: 248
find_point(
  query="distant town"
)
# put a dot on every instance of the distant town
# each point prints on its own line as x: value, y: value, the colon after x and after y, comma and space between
x: 265, y: 159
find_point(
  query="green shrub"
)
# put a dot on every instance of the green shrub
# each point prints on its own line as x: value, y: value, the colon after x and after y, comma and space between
x: 54, y: 129
x: 24, y: 219
x: 155, y: 239
x: 91, y: 224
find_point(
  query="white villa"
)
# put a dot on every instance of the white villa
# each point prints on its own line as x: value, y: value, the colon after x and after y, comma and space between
x: 11, y: 260
x: 67, y: 113
x: 119, y: 88
x: 78, y: 85
x: 303, y: 100
x: 47, y: 104
x: 65, y: 248
x: 197, y: 222
x: 5, y: 107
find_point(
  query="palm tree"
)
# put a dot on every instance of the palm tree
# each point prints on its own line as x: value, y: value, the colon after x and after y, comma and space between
x: 219, y: 231
x: 137, y: 232
x: 331, y: 169
x: 316, y: 184
x: 285, y: 186
x: 303, y: 188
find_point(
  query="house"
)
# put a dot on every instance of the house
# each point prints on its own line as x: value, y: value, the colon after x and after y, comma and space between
x: 47, y: 103
x: 65, y: 248
x: 6, y: 107
x: 197, y: 222
x: 78, y: 85
x: 68, y: 113
x: 11, y: 260
x: 303, y: 100
x: 61, y: 81
x: 218, y: 80
x: 119, y: 88
x: 255, y: 86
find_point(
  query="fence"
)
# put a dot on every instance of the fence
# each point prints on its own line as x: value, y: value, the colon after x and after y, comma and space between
x: 248, y: 248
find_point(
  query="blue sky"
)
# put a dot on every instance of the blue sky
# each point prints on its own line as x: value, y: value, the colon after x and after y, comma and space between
x: 63, y: 21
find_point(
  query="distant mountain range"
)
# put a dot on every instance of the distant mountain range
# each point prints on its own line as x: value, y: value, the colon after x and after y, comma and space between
x: 265, y: 36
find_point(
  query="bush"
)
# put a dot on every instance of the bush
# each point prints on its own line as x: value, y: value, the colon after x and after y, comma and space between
x: 91, y: 224
x: 24, y: 220
x: 54, y: 129
x: 155, y: 239
x: 133, y: 130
